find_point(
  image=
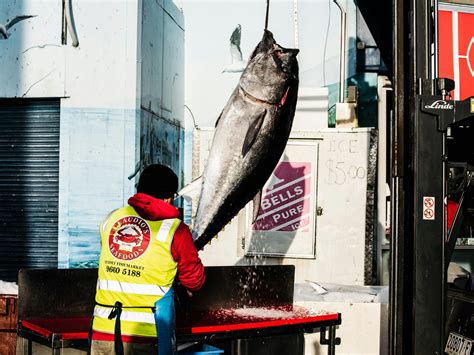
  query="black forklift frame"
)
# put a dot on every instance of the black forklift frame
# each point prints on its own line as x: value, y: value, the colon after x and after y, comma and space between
x: 410, y: 255
x: 421, y: 116
x: 431, y: 246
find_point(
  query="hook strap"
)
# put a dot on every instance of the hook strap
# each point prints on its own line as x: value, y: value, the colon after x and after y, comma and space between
x: 266, y: 15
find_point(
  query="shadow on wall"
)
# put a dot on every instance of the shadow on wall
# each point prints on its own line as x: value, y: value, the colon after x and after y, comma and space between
x: 367, y: 102
x: 366, y: 83
x: 367, y: 99
x: 366, y: 63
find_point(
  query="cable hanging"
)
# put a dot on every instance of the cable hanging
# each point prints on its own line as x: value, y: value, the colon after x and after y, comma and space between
x: 266, y: 15
x: 295, y: 21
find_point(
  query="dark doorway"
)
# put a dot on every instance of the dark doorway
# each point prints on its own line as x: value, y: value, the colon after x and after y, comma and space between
x: 29, y: 184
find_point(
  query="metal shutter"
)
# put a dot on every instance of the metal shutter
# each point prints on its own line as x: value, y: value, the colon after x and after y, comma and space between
x: 29, y: 180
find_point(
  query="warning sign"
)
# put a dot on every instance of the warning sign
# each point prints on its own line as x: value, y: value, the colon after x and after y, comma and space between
x: 428, y: 208
x: 286, y: 201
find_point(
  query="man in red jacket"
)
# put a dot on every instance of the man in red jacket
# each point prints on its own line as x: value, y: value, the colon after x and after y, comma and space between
x: 124, y: 314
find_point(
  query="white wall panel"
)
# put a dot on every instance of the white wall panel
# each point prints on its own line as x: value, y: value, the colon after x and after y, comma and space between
x: 101, y: 72
x: 340, y: 230
x: 32, y: 58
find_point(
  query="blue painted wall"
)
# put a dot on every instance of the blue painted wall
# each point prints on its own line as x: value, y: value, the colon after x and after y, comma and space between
x: 98, y: 153
x: 100, y: 149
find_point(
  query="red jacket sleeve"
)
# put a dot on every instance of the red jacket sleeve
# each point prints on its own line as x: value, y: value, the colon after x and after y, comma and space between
x: 190, y: 268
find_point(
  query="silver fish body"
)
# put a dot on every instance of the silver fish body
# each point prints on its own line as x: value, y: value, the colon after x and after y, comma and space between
x: 251, y: 134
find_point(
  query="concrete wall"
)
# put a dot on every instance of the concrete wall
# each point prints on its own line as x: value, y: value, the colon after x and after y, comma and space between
x: 162, y: 60
x: 105, y: 83
x: 162, y: 84
x: 32, y: 58
x: 363, y: 331
x: 99, y: 125
x: 100, y: 72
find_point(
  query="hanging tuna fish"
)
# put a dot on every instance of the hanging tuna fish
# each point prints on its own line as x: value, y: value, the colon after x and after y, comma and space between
x: 250, y: 136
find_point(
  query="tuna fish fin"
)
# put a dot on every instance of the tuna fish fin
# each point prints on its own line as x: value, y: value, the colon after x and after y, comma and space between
x: 191, y: 190
x: 252, y: 132
x: 256, y: 205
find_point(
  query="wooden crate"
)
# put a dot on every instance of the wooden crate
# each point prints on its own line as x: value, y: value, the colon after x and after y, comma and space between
x: 8, y: 324
x: 7, y: 343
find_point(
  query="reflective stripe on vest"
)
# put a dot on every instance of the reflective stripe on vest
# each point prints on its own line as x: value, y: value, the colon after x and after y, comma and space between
x: 126, y: 287
x: 136, y: 268
x: 132, y: 316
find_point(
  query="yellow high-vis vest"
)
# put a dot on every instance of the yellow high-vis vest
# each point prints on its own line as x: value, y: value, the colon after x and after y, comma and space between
x: 136, y: 268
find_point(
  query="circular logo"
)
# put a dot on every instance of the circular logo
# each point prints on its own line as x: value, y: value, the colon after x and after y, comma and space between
x: 429, y: 202
x: 129, y: 238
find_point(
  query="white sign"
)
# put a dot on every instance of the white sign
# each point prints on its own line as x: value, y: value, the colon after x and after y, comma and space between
x: 428, y: 208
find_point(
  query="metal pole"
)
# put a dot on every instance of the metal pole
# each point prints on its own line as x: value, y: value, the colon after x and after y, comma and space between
x: 342, y: 56
x: 332, y: 340
x: 421, y: 48
x: 384, y: 89
x: 435, y: 73
x: 400, y: 264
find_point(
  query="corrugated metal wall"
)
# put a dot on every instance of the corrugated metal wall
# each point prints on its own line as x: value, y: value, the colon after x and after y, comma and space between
x: 29, y: 177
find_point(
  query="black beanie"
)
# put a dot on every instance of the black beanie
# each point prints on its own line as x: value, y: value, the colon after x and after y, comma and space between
x: 158, y: 181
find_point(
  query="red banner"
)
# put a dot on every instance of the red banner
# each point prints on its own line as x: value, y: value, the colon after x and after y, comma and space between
x: 456, y: 49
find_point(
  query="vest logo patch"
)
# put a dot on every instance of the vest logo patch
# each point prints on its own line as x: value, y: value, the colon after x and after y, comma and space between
x: 129, y: 238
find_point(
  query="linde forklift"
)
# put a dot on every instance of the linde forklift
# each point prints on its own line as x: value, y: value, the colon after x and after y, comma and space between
x: 432, y: 168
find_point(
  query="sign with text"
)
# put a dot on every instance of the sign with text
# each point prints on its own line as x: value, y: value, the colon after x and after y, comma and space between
x: 286, y: 200
x: 286, y: 221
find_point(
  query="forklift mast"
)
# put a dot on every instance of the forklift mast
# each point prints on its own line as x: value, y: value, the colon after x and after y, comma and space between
x: 422, y: 115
